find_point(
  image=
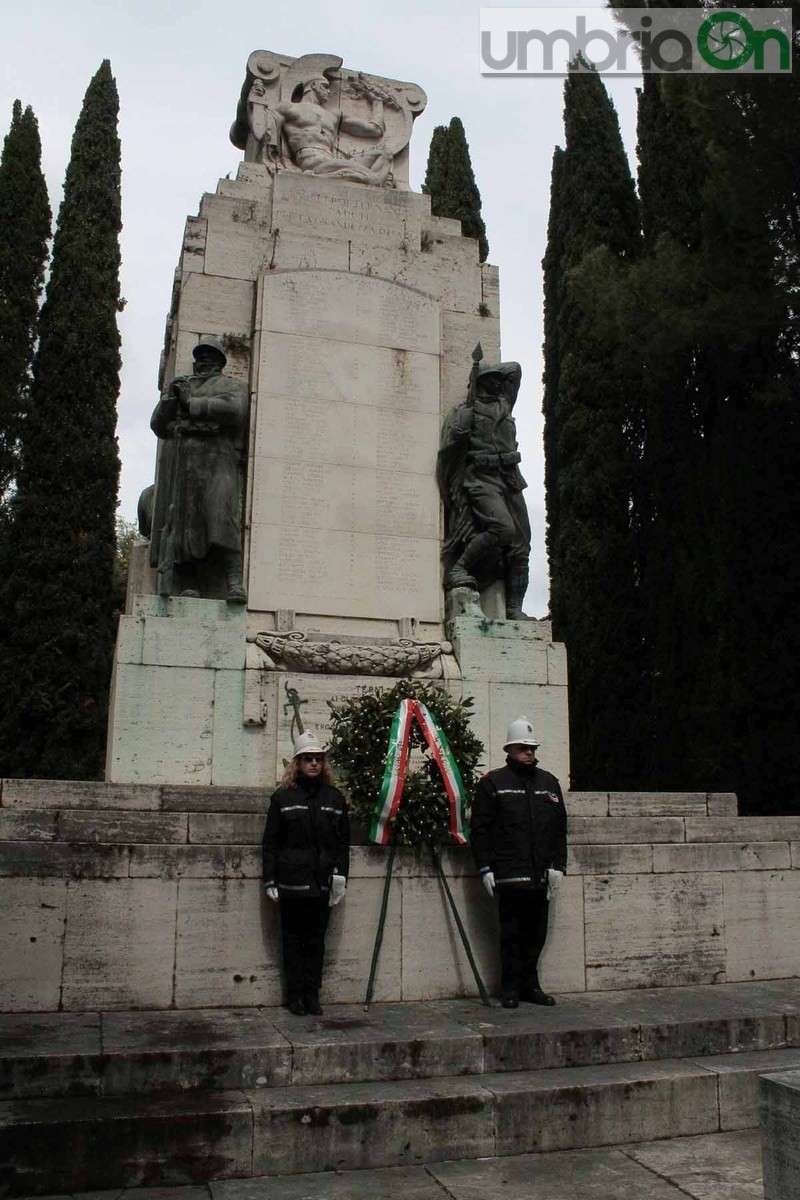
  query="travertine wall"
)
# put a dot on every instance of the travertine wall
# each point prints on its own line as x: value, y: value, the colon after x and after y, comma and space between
x: 123, y: 897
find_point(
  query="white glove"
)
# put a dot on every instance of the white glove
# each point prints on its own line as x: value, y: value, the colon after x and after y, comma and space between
x: 338, y: 889
x: 271, y: 893
x: 487, y: 879
x: 553, y: 882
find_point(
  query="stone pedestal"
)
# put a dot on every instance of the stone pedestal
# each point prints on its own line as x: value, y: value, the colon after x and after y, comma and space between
x: 780, y: 1130
x: 351, y: 313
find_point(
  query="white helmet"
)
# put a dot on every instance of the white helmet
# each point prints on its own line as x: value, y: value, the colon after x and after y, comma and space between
x: 307, y: 743
x: 520, y: 733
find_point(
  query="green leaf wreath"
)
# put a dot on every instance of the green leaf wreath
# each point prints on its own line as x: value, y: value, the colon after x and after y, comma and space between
x: 359, y: 743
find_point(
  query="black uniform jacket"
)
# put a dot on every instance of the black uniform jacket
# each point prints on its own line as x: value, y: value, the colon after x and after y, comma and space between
x: 519, y: 826
x: 306, y: 839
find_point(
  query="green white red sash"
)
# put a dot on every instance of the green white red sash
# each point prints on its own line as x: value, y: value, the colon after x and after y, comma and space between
x: 394, y: 776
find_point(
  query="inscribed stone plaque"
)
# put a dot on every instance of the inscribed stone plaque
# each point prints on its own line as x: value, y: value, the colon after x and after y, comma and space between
x: 344, y: 506
x: 297, y: 366
x: 346, y: 211
x: 348, y: 308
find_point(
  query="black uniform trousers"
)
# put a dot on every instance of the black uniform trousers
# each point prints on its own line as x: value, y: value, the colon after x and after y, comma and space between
x: 303, y: 925
x: 523, y: 930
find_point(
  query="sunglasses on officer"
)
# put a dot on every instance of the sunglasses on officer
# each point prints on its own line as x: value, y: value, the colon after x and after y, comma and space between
x: 309, y: 758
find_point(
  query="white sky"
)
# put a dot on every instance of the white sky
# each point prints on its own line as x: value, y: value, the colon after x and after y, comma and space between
x: 179, y: 68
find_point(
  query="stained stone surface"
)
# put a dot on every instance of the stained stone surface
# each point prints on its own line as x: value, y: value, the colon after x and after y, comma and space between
x: 780, y: 1128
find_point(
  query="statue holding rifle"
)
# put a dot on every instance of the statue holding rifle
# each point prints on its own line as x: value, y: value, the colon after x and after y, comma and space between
x: 487, y: 531
x: 196, y: 539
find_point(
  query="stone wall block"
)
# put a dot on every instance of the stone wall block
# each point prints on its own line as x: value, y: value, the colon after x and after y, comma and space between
x: 502, y: 660
x: 779, y: 1105
x: 722, y: 804
x: 122, y: 827
x: 743, y: 829
x: 241, y: 754
x: 761, y: 909
x: 195, y: 862
x: 722, y: 856
x: 622, y: 830
x: 657, y: 804
x: 194, y: 245
x: 174, y: 643
x: 234, y: 829
x: 654, y: 931
x: 586, y: 804
x: 120, y: 944
x: 610, y: 860
x: 61, y: 793
x: 64, y: 861
x: 163, y: 725
x: 228, y: 945
x: 27, y: 825
x: 130, y: 632
x: 31, y: 943
x: 214, y: 304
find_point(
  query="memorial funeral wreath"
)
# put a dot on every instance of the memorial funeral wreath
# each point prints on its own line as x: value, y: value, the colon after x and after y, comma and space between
x: 373, y: 737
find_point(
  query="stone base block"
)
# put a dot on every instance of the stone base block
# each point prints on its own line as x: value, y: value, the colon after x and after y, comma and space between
x: 780, y: 1128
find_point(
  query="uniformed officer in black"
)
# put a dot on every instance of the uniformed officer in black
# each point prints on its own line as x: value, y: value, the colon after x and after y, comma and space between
x: 305, y: 855
x: 519, y: 839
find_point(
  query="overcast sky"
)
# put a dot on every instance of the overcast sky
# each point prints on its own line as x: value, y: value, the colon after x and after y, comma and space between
x: 179, y: 68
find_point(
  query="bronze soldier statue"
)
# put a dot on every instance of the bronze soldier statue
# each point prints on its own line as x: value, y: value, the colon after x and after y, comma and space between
x: 487, y: 531
x: 197, y: 506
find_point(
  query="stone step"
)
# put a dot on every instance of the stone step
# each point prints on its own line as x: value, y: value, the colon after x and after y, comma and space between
x: 139, y: 1053
x: 89, y: 794
x: 182, y: 1138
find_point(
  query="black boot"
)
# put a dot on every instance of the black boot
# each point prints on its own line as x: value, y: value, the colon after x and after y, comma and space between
x: 313, y: 1006
x: 233, y: 577
x: 516, y: 587
x: 297, y: 1006
x: 475, y: 555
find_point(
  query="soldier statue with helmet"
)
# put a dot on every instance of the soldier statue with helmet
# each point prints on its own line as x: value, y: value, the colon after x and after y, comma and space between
x: 196, y: 524
x: 487, y: 531
x: 519, y: 839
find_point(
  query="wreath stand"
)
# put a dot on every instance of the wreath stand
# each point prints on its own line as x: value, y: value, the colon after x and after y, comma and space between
x: 376, y: 950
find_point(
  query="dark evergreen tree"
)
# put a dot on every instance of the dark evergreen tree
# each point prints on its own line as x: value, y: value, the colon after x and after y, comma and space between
x: 24, y: 232
x: 591, y: 433
x: 57, y: 594
x: 450, y: 182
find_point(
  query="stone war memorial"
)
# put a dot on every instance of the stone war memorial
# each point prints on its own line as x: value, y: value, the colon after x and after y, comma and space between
x: 338, y: 504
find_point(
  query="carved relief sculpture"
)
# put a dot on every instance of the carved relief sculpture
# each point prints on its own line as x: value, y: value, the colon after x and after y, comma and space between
x: 487, y: 531
x: 309, y: 116
x: 197, y: 506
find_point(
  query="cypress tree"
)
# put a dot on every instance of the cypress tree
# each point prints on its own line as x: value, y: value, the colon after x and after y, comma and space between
x: 591, y: 423
x: 57, y: 600
x: 450, y: 182
x: 24, y: 232
x: 720, y: 547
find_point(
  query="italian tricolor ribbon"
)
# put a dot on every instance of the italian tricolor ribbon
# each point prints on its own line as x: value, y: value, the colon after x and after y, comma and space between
x: 394, y: 776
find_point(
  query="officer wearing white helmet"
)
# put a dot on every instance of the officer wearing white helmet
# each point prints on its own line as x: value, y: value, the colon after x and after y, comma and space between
x: 519, y: 839
x: 305, y: 859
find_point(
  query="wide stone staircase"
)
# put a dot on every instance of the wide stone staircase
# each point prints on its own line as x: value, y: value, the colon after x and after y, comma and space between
x: 142, y: 1042
x: 101, y: 1100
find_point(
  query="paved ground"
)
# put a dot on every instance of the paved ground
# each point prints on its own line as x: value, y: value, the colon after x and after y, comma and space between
x: 720, y: 1166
